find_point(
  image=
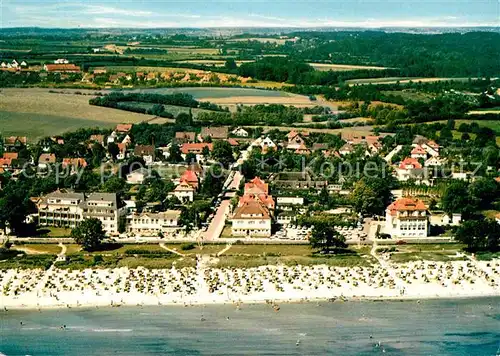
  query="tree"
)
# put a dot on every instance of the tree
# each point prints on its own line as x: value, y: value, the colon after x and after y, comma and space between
x: 455, y: 198
x: 174, y: 154
x: 371, y: 196
x: 113, y: 150
x: 89, y: 234
x: 479, y: 235
x: 230, y: 64
x: 223, y: 152
x: 184, y: 119
x: 190, y: 157
x: 326, y: 238
x: 114, y: 184
x: 483, y: 191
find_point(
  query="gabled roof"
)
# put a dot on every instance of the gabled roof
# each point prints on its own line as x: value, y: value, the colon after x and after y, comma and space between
x: 144, y: 150
x: 10, y: 155
x: 215, y: 132
x: 256, y: 186
x: 232, y: 142
x: 408, y: 161
x: 251, y: 210
x: 264, y: 199
x: 195, y: 147
x: 185, y: 135
x: 406, y: 204
x: 184, y: 187
x: 189, y: 176
x: 13, y: 139
x: 68, y: 67
x: 77, y: 162
x: 47, y: 158
x: 418, y: 150
x: 123, y: 127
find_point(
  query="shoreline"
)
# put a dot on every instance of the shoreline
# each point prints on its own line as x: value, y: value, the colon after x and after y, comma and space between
x: 354, y: 299
x: 274, y: 285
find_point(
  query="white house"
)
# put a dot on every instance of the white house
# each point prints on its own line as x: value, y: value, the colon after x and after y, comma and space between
x: 112, y: 137
x: 184, y: 192
x: 445, y: 219
x: 153, y: 223
x: 407, y: 217
x: 251, y: 219
x: 418, y: 152
x: 138, y: 176
x: 287, y: 203
x: 240, y: 132
x: 435, y: 161
x: 498, y: 218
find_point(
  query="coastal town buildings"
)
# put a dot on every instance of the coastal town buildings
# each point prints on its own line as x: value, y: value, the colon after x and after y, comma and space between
x: 64, y: 208
x: 153, y: 223
x: 407, y: 217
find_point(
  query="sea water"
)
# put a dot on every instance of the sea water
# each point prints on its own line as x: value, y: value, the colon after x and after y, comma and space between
x: 427, y: 327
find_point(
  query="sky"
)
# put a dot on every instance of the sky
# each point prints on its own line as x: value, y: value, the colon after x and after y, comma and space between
x: 248, y: 13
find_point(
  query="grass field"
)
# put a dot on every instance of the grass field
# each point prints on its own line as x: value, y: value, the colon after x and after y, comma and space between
x: 393, y: 80
x: 342, y: 67
x: 36, y: 113
x: 427, y: 252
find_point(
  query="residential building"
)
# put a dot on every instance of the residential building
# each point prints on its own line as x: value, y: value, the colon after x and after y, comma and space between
x: 61, y: 68
x: 407, y: 217
x: 123, y: 128
x: 196, y: 148
x: 296, y: 180
x: 147, y: 152
x: 185, y: 137
x: 97, y: 139
x: 295, y: 140
x: 191, y: 177
x: 435, y: 161
x: 418, y: 152
x: 154, y: 223
x: 265, y: 144
x: 303, y: 150
x: 105, y: 207
x: 138, y: 176
x: 251, y: 219
x: 346, y: 149
x: 74, y: 164
x: 217, y: 133
x: 184, y: 192
x: 14, y: 142
x: 61, y: 208
x: 240, y: 132
x: 46, y: 159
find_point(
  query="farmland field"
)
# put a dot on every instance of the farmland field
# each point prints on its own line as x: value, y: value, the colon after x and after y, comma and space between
x: 342, y: 67
x: 393, y: 80
x: 203, y: 93
x: 37, y: 113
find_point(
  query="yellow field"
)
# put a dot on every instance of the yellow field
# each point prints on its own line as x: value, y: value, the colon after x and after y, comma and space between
x: 36, y: 113
x: 342, y: 67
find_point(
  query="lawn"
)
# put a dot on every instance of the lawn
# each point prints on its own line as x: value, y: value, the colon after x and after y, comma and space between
x: 52, y: 249
x: 427, y: 252
x: 37, y: 113
x: 258, y: 255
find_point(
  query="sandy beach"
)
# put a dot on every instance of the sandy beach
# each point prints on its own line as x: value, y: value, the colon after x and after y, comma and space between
x: 273, y: 284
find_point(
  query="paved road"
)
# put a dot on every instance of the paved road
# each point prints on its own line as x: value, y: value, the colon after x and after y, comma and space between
x: 218, y: 222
